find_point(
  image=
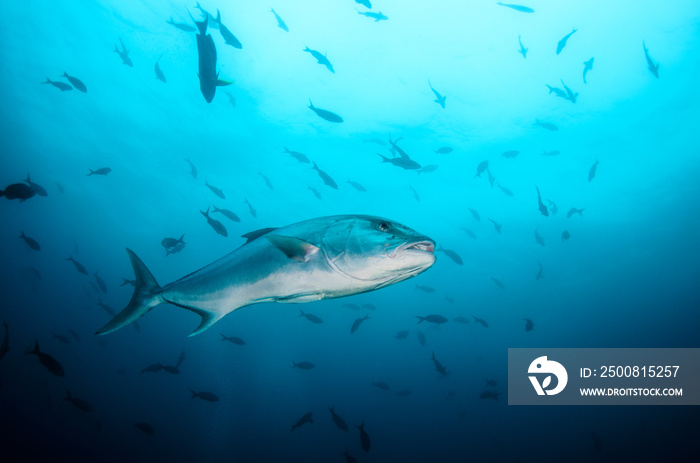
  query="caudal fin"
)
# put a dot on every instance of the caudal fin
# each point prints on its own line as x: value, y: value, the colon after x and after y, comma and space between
x: 145, y: 297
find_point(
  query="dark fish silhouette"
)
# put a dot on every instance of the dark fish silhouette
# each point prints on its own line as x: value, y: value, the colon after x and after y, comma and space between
x: 404, y: 163
x: 587, y: 66
x: 78, y: 265
x: 475, y: 214
x: 208, y: 396
x: 59, y: 85
x: 529, y: 324
x: 145, y: 427
x: 552, y: 206
x: 181, y: 26
x: 126, y: 281
x: 592, y: 170
x: 439, y: 99
x: 208, y: 16
x: 267, y: 181
x: 520, y: 8
x: 546, y: 125
x: 357, y: 186
x: 543, y: 209
x: 169, y: 243
x: 217, y: 191
x: 540, y: 272
x: 310, y: 317
x: 80, y: 404
x: 562, y: 42
x: 301, y: 157
x: 565, y: 235
x: 193, y: 168
x: 480, y: 321
x: 427, y: 289
x: 206, y: 51
x: 19, y: 191
x: 231, y: 99
x: 365, y: 3
x: 250, y: 208
x: 364, y: 437
x: 106, y: 308
x: 427, y: 169
x: 439, y: 366
x: 321, y: 59
x: 100, y: 282
x: 325, y: 114
x: 379, y: 16
x: 433, y: 318
x: 75, y: 82
x: 228, y: 36
x: 153, y: 368
x: 401, y: 334
x: 381, y: 385
x: 505, y: 190
x: 303, y: 365
x: 338, y: 420
x: 325, y: 177
x: 481, y: 168
x: 303, y: 420
x: 523, y: 50
x: 280, y: 23
x: 38, y: 189
x: 5, y: 346
x: 444, y: 150
x: 416, y: 196
x: 314, y: 191
x: 496, y: 225
x: 421, y: 338
x: 123, y: 54
x: 100, y: 171
x: 653, y: 67
x: 573, y: 211
x: 570, y: 95
x: 215, y: 224
x: 49, y: 362
x: 349, y: 458
x: 31, y: 242
x: 356, y: 324
x: 499, y: 283
x: 233, y: 339
x: 227, y: 213
x: 159, y: 72
x: 403, y: 393
x: 538, y: 238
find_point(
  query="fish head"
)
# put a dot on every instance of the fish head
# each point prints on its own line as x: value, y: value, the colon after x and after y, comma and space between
x: 377, y: 251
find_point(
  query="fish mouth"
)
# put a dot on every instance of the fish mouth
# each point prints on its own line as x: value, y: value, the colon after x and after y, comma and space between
x: 423, y: 244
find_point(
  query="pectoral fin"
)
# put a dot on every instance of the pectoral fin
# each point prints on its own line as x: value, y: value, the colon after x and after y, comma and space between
x: 223, y: 83
x: 294, y: 248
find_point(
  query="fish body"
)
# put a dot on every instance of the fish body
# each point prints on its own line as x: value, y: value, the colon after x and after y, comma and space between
x: 529, y: 324
x: 565, y: 235
x: 193, y: 168
x: 379, y: 16
x: 421, y: 338
x: 268, y: 183
x: 233, y: 340
x: 301, y: 157
x: 426, y: 289
x: 250, y: 208
x: 80, y: 404
x: 546, y: 125
x: 181, y: 26
x: 321, y: 59
x: 100, y: 171
x: 497, y: 226
x: 481, y: 168
x: 653, y: 67
x: 433, y: 318
x: 404, y: 163
x: 311, y: 317
x: 175, y: 249
x: 356, y: 324
x: 217, y: 191
x: 520, y: 8
x: 416, y: 196
x: 439, y: 99
x: 342, y: 425
x: 498, y: 282
x: 480, y: 321
x: 364, y: 437
x: 315, y: 192
x: 123, y: 54
x: 325, y: 114
x: 47, y: 361
x: 159, y: 72
x: 452, y: 255
x: 168, y: 243
x: 215, y: 224
x: 75, y: 82
x: 557, y: 92
x: 540, y: 272
x: 523, y: 50
x: 439, y: 366
x: 562, y: 42
x: 489, y: 395
x: 543, y: 209
x: 592, y: 170
x: 31, y: 242
x: 325, y: 177
x: 538, y: 238
x: 204, y: 395
x: 357, y: 186
x: 59, y: 85
x: 401, y: 334
x: 365, y: 3
x: 308, y: 418
x: 145, y: 428
x: 505, y: 190
x: 475, y: 214
x: 228, y: 36
x: 100, y: 282
x: 381, y: 385
x: 587, y: 66
x: 78, y: 265
x: 153, y: 368
x: 322, y: 258
x: 570, y: 95
x: 280, y: 23
x: 573, y: 211
x: 227, y: 213
x: 303, y: 365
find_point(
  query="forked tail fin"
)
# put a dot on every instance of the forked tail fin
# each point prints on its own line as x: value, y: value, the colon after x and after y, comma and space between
x: 145, y: 297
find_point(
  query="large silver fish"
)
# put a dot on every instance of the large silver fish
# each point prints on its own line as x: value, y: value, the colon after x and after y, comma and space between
x: 320, y: 258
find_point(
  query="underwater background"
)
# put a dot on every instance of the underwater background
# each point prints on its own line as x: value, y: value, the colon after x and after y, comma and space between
x: 623, y: 272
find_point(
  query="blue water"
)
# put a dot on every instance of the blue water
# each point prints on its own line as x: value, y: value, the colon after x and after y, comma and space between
x: 626, y: 277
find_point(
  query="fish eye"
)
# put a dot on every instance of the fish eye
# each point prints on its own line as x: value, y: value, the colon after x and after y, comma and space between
x: 383, y: 226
